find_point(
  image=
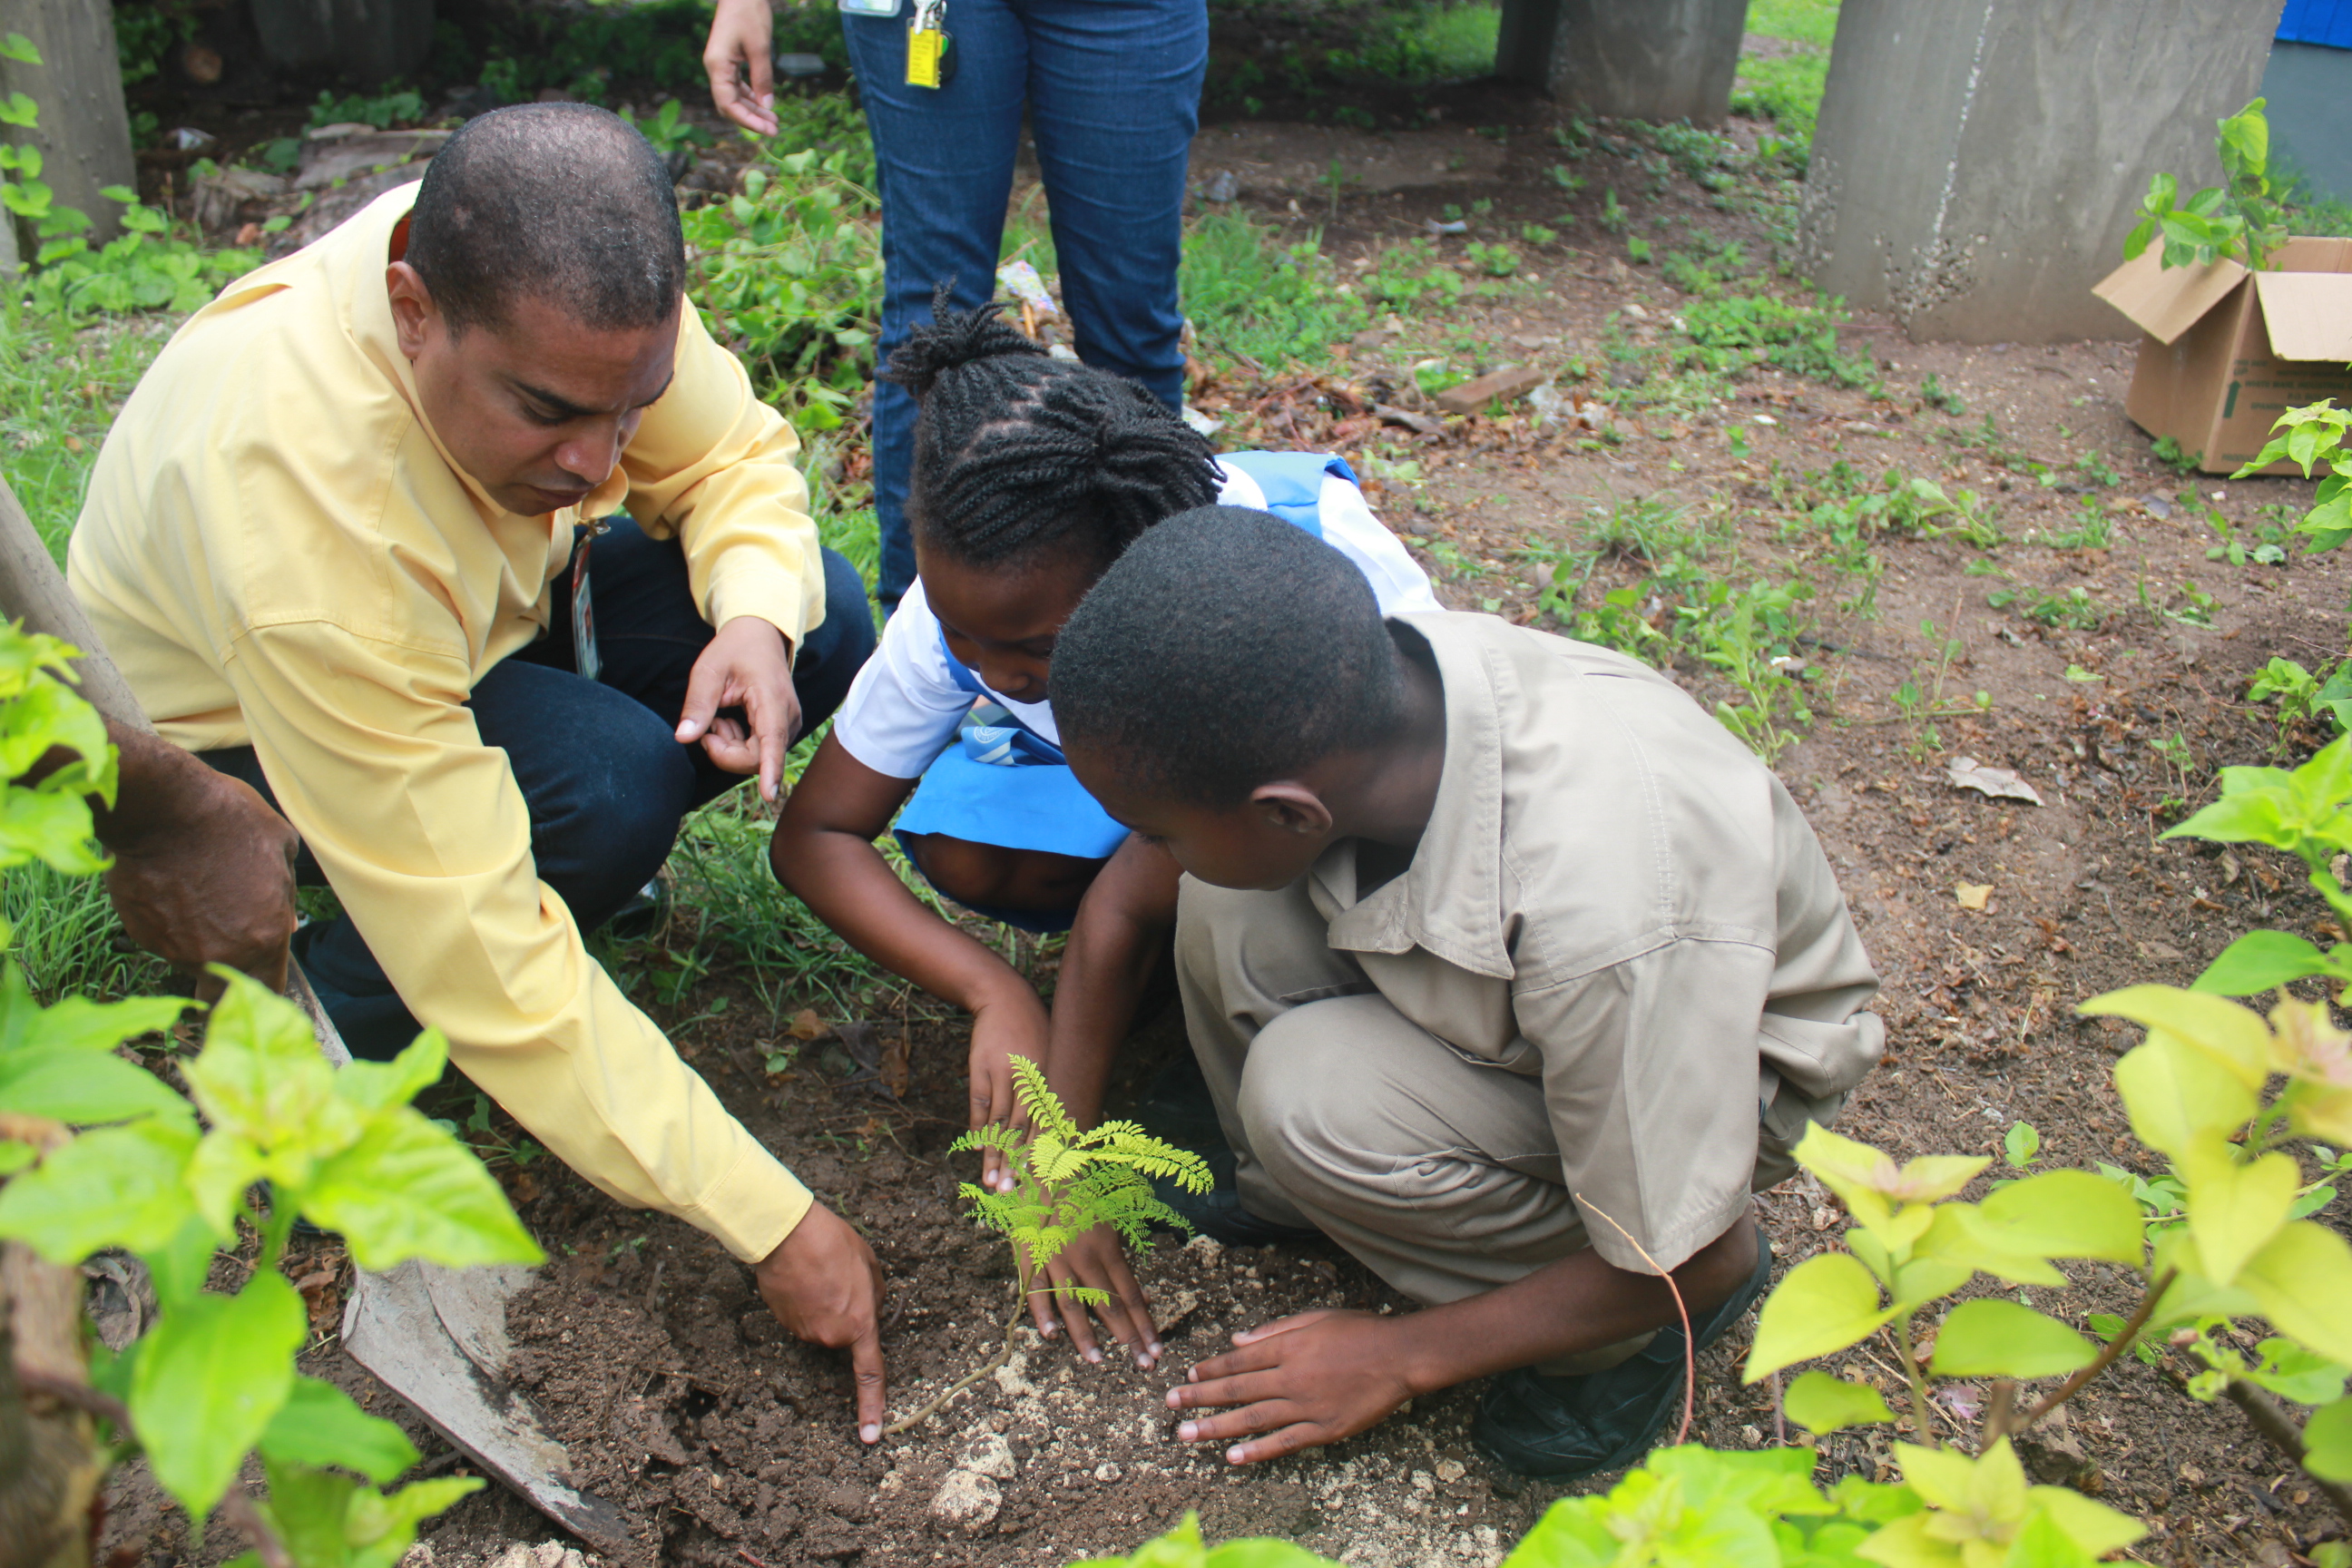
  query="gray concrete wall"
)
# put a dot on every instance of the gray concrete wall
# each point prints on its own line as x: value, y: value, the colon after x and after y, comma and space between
x: 84, y: 132
x: 1645, y: 60
x: 2310, y: 90
x: 1979, y: 162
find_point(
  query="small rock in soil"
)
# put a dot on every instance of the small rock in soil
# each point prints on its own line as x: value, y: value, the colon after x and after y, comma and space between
x: 966, y: 1500
x: 990, y: 1454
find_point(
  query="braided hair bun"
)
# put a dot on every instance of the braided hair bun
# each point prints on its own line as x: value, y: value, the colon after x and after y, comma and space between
x: 954, y: 338
x: 1017, y: 452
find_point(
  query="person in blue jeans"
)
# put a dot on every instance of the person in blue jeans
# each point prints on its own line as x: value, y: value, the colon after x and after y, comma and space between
x: 1112, y: 89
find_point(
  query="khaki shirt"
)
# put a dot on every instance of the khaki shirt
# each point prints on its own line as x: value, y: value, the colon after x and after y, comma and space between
x: 1615, y: 896
x: 280, y: 552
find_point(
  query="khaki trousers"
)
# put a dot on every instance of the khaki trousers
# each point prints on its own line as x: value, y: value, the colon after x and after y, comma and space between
x: 1437, y: 1170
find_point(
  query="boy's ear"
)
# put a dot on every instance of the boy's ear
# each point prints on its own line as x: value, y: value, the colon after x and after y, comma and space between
x: 1291, y: 808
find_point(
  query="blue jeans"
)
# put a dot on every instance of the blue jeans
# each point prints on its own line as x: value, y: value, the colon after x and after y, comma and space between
x: 602, y: 776
x: 1113, y: 91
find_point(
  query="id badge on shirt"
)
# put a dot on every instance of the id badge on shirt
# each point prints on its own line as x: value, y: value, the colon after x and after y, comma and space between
x: 872, y: 7
x: 585, y: 657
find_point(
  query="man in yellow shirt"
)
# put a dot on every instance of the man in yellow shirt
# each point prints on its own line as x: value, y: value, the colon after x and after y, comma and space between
x: 329, y: 541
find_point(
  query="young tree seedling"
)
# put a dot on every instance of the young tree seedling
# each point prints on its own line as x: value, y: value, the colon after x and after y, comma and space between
x: 1067, y: 1181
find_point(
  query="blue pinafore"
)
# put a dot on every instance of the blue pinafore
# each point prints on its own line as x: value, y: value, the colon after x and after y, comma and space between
x: 1004, y: 784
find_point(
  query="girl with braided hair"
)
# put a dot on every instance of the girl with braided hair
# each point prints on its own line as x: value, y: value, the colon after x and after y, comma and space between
x: 1032, y: 475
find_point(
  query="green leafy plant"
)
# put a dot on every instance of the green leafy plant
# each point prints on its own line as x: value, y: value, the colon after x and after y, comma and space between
x: 2240, y: 219
x: 788, y: 274
x: 2308, y: 813
x: 1067, y: 1181
x: 2302, y: 696
x: 97, y: 1152
x: 2165, y: 449
x: 668, y: 129
x: 2307, y: 437
x: 383, y: 112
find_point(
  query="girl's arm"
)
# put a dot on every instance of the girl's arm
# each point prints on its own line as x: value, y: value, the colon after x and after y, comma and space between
x: 824, y: 852
x: 1114, y: 947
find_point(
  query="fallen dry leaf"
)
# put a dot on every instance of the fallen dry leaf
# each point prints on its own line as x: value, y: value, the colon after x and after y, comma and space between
x: 1973, y: 895
x: 897, y: 1073
x: 2001, y: 783
x: 807, y: 1026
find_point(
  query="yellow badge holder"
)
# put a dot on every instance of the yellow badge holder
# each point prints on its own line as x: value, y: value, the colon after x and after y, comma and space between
x: 931, y: 48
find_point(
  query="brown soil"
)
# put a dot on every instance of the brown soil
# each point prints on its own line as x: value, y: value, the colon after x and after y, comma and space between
x: 681, y: 1400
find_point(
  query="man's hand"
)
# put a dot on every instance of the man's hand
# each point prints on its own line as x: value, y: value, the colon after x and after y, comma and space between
x: 749, y: 665
x: 1094, y: 1259
x: 742, y: 35
x: 825, y: 1286
x: 204, y: 869
x: 1298, y: 1382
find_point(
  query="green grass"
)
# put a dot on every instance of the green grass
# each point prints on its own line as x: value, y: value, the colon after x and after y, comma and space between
x: 1250, y: 294
x: 59, y: 390
x: 1787, y: 88
x: 1798, y: 21
x: 64, y: 932
x: 1455, y: 41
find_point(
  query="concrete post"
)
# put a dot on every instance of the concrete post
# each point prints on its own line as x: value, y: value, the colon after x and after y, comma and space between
x: 1644, y: 60
x: 84, y: 132
x: 1978, y: 162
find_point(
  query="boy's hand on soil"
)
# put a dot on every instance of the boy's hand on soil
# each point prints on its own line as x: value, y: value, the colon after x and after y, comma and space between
x: 1298, y: 1382
x: 825, y: 1286
x: 1001, y: 1031
x: 1096, y: 1259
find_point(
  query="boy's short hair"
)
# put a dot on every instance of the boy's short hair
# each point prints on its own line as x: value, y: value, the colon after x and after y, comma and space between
x: 1224, y: 649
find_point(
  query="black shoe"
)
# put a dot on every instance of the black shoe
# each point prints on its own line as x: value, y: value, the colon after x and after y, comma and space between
x: 1560, y: 1428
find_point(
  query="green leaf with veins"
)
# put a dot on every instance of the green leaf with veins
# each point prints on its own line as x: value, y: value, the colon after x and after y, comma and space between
x: 407, y: 1189
x: 1991, y: 1336
x: 1826, y: 1303
x: 209, y: 1380
x: 1823, y: 1404
x: 122, y: 1186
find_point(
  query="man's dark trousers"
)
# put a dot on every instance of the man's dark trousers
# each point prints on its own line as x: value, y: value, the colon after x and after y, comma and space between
x: 602, y: 775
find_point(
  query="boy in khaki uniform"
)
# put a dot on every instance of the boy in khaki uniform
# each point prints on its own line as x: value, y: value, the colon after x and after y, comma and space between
x: 1508, y: 968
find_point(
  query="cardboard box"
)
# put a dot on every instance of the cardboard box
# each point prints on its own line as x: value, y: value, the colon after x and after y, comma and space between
x: 2228, y: 351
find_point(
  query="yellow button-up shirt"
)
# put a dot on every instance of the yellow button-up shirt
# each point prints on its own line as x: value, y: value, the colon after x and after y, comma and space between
x: 279, y: 552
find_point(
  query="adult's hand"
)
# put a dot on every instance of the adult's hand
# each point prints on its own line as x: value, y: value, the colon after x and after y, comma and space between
x: 748, y: 665
x: 1297, y: 1382
x: 1095, y: 1259
x: 203, y: 868
x: 736, y: 58
x: 825, y: 1286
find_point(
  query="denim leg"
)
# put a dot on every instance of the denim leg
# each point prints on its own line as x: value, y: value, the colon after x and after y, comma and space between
x: 648, y: 634
x: 1114, y: 100
x: 607, y: 786
x: 604, y: 781
x: 943, y: 160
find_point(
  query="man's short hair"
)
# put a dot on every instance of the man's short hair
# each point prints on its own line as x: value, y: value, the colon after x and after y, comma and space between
x: 559, y: 202
x: 1226, y: 650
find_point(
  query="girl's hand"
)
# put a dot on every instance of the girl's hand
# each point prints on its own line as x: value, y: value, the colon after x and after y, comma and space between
x: 1001, y: 1031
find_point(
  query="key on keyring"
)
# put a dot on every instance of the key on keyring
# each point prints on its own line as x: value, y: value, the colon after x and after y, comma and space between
x: 930, y: 47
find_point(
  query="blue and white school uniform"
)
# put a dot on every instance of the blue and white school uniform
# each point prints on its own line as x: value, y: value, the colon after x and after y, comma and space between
x: 912, y: 711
